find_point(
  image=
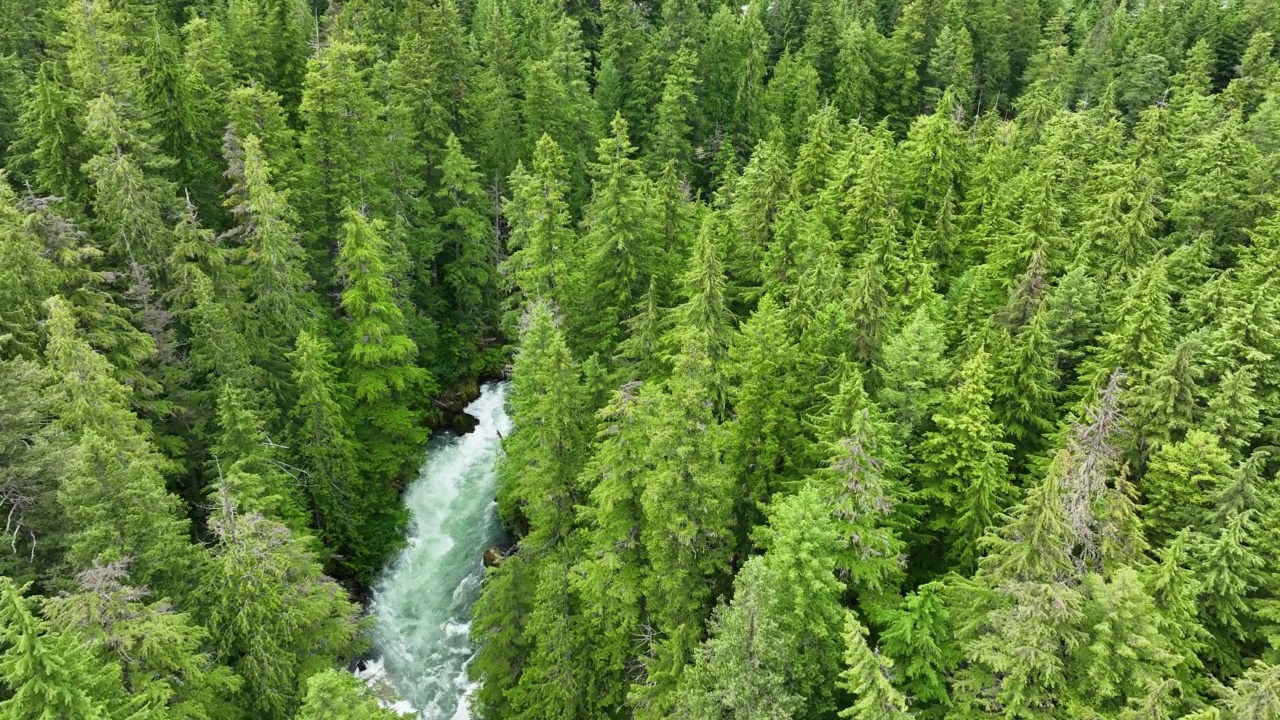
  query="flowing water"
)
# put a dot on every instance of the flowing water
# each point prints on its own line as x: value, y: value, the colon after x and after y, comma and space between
x: 422, y: 603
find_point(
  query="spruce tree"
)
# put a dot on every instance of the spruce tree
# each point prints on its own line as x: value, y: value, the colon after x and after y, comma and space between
x: 275, y: 618
x: 380, y: 359
x: 964, y: 464
x: 741, y: 671
x: 275, y: 281
x: 859, y: 482
x: 469, y: 264
x: 687, y: 509
x: 913, y: 369
x: 547, y: 449
x: 920, y: 639
x: 341, y: 151
x: 704, y: 320
x: 337, y: 695
x: 621, y: 245
x: 344, y: 505
x: 1025, y: 387
x: 766, y: 444
x: 1181, y: 481
x: 868, y: 678
x: 114, y: 493
x: 162, y: 652
x: 759, y: 196
x: 49, y: 150
x: 49, y: 674
x: 675, y: 114
x: 540, y: 238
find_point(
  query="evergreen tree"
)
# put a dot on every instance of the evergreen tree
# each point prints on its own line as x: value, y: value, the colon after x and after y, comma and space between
x: 161, y: 652
x: 1025, y: 387
x: 611, y: 574
x: 766, y: 444
x: 741, y: 671
x: 964, y: 462
x: 540, y: 238
x: 1233, y: 410
x: 672, y: 135
x: 246, y: 460
x: 380, y: 358
x: 913, y: 368
x: 337, y: 695
x: 1181, y: 481
x: 49, y: 150
x: 275, y: 281
x: 274, y: 617
x: 620, y: 245
x: 114, y: 493
x: 859, y: 482
x: 341, y: 152
x: 268, y: 42
x: 469, y: 267
x: 704, y: 321
x: 868, y: 677
x: 346, y: 507
x: 685, y: 502
x: 920, y: 639
x: 760, y: 195
x: 547, y: 450
x: 48, y: 674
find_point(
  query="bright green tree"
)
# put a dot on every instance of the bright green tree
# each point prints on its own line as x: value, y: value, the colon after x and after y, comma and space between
x: 49, y: 674
x: 869, y: 678
x: 964, y: 464
x: 386, y: 384
x: 621, y: 249
x: 338, y: 695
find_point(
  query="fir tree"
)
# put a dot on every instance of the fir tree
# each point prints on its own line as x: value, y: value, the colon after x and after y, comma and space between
x: 48, y: 673
x: 275, y: 281
x: 337, y: 695
x: 345, y: 507
x: 1180, y: 483
x: 380, y: 357
x: 621, y: 250
x: 547, y: 450
x: 868, y: 678
x: 766, y: 444
x: 964, y: 462
x: 469, y: 269
x: 540, y: 238
x: 274, y: 617
x: 114, y: 492
x: 161, y: 652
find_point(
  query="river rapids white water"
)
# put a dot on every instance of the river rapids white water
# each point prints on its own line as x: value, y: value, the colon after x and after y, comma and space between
x: 422, y: 603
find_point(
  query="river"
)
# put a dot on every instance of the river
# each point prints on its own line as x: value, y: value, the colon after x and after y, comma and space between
x: 422, y: 603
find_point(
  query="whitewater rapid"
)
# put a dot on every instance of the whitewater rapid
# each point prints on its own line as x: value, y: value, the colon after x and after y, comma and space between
x: 422, y: 603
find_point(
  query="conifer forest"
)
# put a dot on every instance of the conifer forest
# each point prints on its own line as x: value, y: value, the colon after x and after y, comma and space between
x: 865, y: 359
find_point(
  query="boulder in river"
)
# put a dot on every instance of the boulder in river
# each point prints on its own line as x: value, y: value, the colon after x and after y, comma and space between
x: 463, y: 423
x: 493, y: 557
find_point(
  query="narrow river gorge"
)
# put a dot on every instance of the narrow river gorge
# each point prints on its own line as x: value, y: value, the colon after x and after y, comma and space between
x: 422, y: 603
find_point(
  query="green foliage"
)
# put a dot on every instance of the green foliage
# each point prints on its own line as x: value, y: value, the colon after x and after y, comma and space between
x: 963, y: 463
x: 385, y: 382
x: 621, y: 249
x: 48, y: 674
x: 961, y: 315
x: 336, y: 695
x: 868, y: 678
x: 274, y: 617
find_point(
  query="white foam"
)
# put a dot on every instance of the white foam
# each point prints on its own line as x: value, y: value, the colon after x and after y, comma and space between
x: 422, y: 603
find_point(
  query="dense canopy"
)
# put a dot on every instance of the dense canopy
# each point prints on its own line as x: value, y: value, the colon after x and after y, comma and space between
x: 870, y: 359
